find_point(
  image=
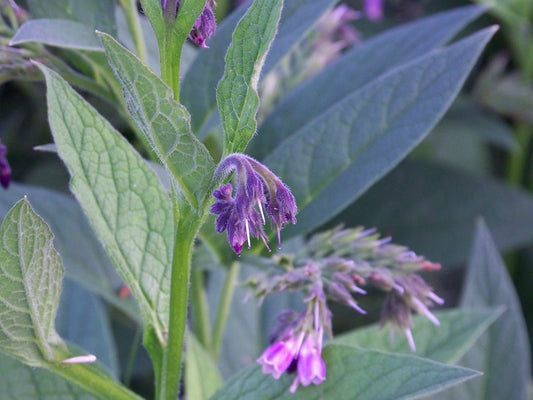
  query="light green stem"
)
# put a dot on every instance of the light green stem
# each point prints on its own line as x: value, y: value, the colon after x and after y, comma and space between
x: 200, y: 308
x: 224, y: 306
x: 94, y: 381
x: 170, y: 54
x: 134, y: 25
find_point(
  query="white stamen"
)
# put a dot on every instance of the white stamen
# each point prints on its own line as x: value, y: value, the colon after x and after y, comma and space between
x: 89, y: 358
x: 410, y: 340
x: 356, y: 307
x: 247, y: 233
x: 398, y: 288
x: 261, y: 211
x: 357, y: 289
x: 279, y: 238
x: 422, y: 309
x: 435, y: 298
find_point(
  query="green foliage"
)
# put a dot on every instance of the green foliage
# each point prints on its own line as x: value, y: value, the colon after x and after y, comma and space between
x: 30, y: 284
x: 237, y: 95
x: 201, y: 373
x: 379, y: 376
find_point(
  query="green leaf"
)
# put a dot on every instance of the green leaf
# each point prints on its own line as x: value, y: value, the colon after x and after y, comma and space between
x: 83, y: 256
x: 439, y: 223
x: 164, y: 123
x: 503, y: 352
x: 197, y: 89
x: 30, y: 284
x: 95, y: 14
x: 446, y: 343
x: 335, y: 157
x: 237, y: 95
x: 122, y: 197
x: 21, y: 382
x: 57, y: 32
x: 357, y: 67
x: 202, y: 378
x: 352, y: 373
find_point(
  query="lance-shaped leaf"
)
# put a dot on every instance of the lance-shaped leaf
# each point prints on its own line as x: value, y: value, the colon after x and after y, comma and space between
x: 30, y: 284
x: 164, y: 123
x: 335, y: 157
x: 357, y: 67
x: 122, y: 197
x: 502, y: 353
x: 352, y: 374
x: 202, y: 378
x: 237, y: 95
x: 447, y: 343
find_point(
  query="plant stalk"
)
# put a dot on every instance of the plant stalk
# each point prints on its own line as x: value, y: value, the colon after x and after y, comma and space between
x: 200, y: 308
x: 134, y: 25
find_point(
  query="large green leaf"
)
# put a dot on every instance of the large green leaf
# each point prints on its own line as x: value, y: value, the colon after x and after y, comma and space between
x: 164, y: 123
x: 21, y: 382
x: 30, y: 284
x: 57, y: 32
x: 197, y: 93
x: 335, y: 157
x: 352, y: 373
x: 237, y: 96
x: 122, y: 197
x: 437, y: 220
x: 96, y: 14
x: 356, y: 68
x: 503, y: 353
x: 458, y: 331
x: 202, y: 378
x: 83, y: 256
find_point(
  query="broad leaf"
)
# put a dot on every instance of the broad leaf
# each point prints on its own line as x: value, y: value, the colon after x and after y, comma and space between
x: 95, y: 14
x: 197, y: 91
x: 352, y: 373
x: 335, y: 157
x: 503, y: 352
x: 164, y: 123
x: 21, y: 382
x: 237, y: 95
x: 57, y: 32
x: 202, y: 378
x: 356, y: 68
x: 83, y: 256
x: 439, y: 223
x: 122, y: 197
x: 446, y: 343
x: 30, y: 284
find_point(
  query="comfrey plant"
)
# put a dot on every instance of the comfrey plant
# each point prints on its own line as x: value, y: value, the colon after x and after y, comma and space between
x: 199, y: 168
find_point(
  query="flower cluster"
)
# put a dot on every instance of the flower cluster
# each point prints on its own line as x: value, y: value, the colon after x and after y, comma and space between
x: 5, y: 169
x: 336, y: 265
x: 204, y: 27
x: 242, y: 215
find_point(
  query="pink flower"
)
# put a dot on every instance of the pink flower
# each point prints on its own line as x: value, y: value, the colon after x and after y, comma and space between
x: 279, y: 356
x: 311, y: 367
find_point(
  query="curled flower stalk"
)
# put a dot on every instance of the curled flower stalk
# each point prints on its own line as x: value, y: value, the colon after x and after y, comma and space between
x: 242, y: 215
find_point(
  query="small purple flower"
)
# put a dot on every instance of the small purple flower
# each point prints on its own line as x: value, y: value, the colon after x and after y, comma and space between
x: 277, y: 358
x: 5, y: 169
x: 373, y: 9
x: 243, y: 216
x: 311, y: 367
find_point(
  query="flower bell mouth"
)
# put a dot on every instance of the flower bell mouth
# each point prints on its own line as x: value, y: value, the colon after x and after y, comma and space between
x: 242, y: 215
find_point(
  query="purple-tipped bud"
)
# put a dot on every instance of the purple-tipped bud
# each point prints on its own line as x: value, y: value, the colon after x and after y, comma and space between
x: 5, y: 169
x: 243, y: 216
x: 205, y: 25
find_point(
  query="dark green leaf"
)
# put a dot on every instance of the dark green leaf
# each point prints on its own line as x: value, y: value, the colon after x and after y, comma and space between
x: 335, y: 157
x: 164, y: 123
x: 237, y: 95
x: 352, y: 373
x: 503, y: 353
x: 202, y: 378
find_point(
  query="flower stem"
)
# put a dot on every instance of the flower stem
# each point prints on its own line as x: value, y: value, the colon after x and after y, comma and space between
x: 134, y: 25
x: 224, y: 306
x: 199, y: 308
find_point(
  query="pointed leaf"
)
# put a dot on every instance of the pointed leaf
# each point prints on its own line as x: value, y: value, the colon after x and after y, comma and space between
x: 202, y: 378
x: 21, y: 382
x: 121, y: 196
x: 503, y: 353
x: 356, y: 68
x: 237, y: 95
x: 164, y: 123
x: 30, y: 284
x: 458, y: 331
x: 352, y: 373
x: 333, y: 159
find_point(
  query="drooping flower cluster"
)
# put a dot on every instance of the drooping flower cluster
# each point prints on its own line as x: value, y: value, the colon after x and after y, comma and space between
x: 5, y: 169
x: 336, y: 265
x: 242, y: 215
x: 205, y: 25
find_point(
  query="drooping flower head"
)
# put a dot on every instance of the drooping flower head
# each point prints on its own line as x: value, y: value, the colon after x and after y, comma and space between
x: 242, y: 214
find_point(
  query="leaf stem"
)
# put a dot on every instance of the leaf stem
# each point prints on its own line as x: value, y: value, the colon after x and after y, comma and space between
x: 134, y: 25
x: 224, y: 306
x: 199, y: 308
